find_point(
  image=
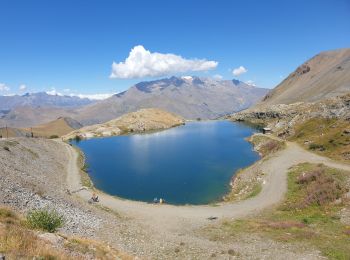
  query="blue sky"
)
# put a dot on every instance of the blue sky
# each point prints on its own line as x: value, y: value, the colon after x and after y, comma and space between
x: 72, y: 44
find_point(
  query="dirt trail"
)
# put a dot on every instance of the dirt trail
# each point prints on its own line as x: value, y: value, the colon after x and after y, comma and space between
x: 172, y: 218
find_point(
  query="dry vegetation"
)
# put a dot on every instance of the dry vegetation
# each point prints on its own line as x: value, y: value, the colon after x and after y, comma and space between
x: 328, y: 137
x: 311, y: 213
x: 266, y: 145
x: 52, y: 129
x: 19, y: 241
x: 57, y: 128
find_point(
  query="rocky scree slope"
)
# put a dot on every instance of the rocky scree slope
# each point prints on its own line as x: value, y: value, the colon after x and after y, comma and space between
x: 32, y: 173
x: 324, y: 76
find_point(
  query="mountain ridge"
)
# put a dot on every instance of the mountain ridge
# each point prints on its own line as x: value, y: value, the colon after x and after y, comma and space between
x: 190, y: 97
x: 325, y: 75
x: 42, y: 99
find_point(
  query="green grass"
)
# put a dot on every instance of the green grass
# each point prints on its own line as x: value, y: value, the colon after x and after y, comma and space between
x: 48, y: 220
x: 245, y: 188
x: 313, y: 225
x: 255, y: 191
x: 325, y: 136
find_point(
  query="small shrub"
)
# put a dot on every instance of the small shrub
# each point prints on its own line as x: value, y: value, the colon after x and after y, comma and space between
x: 232, y: 252
x: 306, y: 221
x: 321, y: 189
x: 271, y: 145
x: 48, y: 220
x: 324, y: 191
x: 308, y: 177
x: 6, y: 148
x: 317, y: 147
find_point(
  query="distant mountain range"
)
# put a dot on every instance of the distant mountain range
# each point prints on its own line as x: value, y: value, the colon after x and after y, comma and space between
x: 189, y: 97
x: 37, y: 108
x: 42, y: 99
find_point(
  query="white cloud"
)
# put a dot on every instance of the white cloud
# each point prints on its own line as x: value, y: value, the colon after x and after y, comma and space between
x: 69, y: 93
x: 53, y: 92
x: 250, y: 83
x: 239, y: 71
x: 22, y: 87
x: 93, y: 96
x: 218, y: 77
x: 4, y: 87
x: 143, y: 63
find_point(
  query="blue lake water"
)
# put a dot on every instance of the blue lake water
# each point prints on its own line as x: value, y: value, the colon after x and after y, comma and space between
x: 190, y: 164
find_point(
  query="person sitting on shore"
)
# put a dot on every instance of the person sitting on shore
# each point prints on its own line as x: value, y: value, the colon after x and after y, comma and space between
x: 94, y: 197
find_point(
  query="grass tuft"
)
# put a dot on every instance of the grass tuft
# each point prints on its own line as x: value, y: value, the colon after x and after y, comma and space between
x: 48, y: 220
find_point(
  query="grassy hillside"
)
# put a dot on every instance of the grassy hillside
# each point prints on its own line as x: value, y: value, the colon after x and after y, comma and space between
x: 58, y: 127
x: 328, y: 137
x: 52, y: 129
x: 315, y: 213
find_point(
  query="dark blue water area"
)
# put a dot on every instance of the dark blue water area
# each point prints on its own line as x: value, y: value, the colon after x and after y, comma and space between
x: 190, y: 164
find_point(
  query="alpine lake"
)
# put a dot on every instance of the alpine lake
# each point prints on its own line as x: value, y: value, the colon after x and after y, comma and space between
x: 189, y: 164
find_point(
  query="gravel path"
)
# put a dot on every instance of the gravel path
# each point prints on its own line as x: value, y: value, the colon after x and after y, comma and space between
x: 36, y: 173
x: 176, y: 218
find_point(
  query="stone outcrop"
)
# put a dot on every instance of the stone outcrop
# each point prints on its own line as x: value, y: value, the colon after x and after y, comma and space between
x: 281, y: 118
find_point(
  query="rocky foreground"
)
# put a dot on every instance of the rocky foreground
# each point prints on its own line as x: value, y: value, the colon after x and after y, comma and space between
x: 32, y: 173
x: 143, y: 120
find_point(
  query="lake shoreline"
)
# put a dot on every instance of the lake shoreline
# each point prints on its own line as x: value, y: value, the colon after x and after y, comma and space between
x: 221, y: 199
